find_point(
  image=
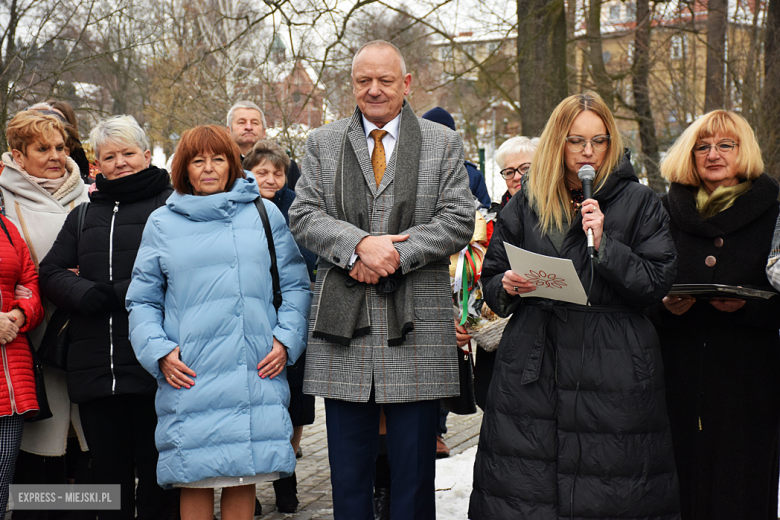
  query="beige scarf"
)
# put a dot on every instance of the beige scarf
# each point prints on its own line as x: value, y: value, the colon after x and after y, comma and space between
x: 50, y: 185
x: 57, y: 187
x: 721, y: 199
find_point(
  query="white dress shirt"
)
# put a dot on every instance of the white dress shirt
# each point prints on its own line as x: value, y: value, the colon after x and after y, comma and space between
x: 392, y: 128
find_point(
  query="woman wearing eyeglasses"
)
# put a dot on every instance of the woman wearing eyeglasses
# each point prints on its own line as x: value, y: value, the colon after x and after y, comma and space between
x: 575, y: 422
x: 514, y: 159
x: 722, y: 356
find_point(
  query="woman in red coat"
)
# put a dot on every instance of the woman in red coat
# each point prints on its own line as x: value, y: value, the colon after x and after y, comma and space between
x: 17, y: 380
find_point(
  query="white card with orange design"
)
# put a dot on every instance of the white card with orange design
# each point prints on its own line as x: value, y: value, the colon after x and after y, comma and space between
x: 555, y: 278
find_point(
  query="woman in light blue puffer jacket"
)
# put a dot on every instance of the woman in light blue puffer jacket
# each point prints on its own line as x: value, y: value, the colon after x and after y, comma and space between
x: 202, y: 321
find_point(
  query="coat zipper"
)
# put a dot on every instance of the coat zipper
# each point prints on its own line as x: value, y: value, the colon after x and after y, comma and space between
x: 111, y: 314
x: 5, y: 370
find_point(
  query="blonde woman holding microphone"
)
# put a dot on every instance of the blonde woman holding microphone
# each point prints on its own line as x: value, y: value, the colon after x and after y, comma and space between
x: 575, y: 421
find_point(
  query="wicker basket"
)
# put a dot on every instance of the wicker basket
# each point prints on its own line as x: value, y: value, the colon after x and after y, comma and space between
x: 488, y: 333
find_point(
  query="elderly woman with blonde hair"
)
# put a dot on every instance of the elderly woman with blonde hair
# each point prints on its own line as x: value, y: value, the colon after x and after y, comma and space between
x: 575, y: 420
x: 39, y: 187
x: 722, y: 355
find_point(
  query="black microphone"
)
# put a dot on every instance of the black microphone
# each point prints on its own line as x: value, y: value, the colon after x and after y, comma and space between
x: 586, y: 176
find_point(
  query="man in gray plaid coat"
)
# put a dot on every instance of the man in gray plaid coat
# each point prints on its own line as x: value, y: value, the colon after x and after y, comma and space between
x: 383, y: 201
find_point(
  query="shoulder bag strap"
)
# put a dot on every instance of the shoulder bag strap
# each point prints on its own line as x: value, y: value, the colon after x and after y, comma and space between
x: 26, y: 234
x: 5, y: 230
x: 269, y: 236
x: 80, y: 221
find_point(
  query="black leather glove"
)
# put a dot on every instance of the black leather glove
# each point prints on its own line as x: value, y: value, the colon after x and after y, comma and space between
x: 93, y: 302
x: 108, y: 290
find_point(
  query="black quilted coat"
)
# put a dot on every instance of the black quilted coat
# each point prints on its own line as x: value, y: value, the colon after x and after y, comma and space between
x: 528, y: 446
x: 723, y: 369
x: 101, y: 361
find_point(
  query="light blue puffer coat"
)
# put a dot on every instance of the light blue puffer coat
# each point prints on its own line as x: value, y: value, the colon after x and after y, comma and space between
x: 201, y: 281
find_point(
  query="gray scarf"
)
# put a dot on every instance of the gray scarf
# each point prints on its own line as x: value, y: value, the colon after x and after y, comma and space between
x: 346, y: 315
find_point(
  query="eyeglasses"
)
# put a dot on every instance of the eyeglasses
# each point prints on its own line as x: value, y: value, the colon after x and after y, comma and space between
x: 508, y: 173
x: 723, y: 147
x: 577, y: 144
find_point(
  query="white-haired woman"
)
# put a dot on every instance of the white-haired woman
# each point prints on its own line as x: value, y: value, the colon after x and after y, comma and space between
x: 514, y: 160
x: 114, y: 392
x: 721, y: 355
x: 575, y: 423
x: 39, y: 186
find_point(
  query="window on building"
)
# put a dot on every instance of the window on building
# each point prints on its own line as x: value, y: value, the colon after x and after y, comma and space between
x: 445, y: 53
x: 678, y: 47
x: 614, y: 12
x: 631, y: 10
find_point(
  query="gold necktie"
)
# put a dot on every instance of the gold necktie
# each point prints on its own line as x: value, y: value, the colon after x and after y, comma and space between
x: 378, y: 161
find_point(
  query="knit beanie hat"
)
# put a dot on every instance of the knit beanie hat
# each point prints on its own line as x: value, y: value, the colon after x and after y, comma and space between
x: 441, y: 116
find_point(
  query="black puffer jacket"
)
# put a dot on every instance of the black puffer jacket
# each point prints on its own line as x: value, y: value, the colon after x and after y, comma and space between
x: 528, y: 447
x: 101, y: 361
x: 723, y: 389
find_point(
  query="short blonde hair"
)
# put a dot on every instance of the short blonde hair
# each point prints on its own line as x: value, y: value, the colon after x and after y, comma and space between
x: 545, y: 183
x: 679, y: 165
x: 29, y: 126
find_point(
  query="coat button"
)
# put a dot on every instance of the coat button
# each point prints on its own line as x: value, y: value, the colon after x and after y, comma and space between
x: 710, y: 261
x: 719, y: 242
x: 336, y: 260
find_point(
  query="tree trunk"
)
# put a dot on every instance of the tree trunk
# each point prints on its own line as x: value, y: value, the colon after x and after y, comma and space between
x: 714, y: 96
x: 541, y: 61
x: 5, y: 71
x: 769, y: 131
x: 598, y: 70
x: 640, y: 84
x: 750, y: 80
x: 571, y: 46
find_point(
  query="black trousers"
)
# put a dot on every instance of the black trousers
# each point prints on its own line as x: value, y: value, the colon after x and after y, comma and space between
x: 37, y: 469
x: 120, y: 433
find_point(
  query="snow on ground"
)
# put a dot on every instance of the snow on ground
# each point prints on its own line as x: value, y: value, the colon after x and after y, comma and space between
x: 454, y: 476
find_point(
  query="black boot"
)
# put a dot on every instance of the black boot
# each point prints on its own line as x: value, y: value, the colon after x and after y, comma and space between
x: 382, y: 483
x: 286, y: 490
x: 258, y: 507
x: 382, y: 503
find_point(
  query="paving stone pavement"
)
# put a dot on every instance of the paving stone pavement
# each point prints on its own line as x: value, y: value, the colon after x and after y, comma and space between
x: 313, y: 472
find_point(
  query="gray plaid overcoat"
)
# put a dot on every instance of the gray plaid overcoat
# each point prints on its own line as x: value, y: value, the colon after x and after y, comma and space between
x: 425, y: 366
